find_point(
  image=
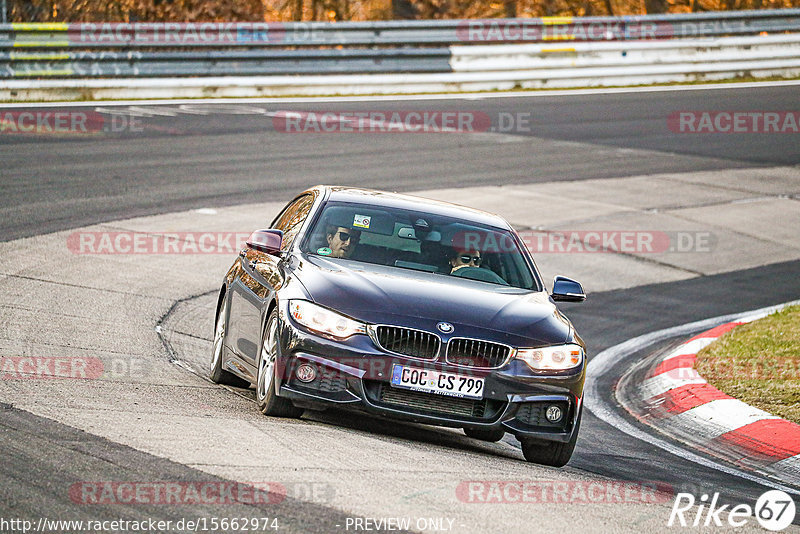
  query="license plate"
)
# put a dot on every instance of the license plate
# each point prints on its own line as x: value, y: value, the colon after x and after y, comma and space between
x: 432, y: 381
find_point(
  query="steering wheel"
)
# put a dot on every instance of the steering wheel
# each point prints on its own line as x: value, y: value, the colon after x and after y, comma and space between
x: 482, y: 275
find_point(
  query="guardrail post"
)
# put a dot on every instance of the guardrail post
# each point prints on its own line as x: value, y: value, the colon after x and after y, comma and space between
x: 3, y: 19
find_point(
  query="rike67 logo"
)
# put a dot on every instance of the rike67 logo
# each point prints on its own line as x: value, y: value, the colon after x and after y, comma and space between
x: 774, y: 510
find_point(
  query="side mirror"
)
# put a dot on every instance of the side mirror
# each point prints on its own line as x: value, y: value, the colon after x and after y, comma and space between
x: 268, y: 241
x: 567, y: 290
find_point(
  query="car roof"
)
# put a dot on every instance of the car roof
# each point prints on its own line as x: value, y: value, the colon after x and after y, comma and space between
x: 371, y: 197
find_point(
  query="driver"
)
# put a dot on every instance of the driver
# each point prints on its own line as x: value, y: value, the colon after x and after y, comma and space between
x: 464, y: 258
x: 342, y: 241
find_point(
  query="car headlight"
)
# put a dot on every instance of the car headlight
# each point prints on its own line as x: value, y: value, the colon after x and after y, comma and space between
x: 323, y: 320
x: 559, y: 357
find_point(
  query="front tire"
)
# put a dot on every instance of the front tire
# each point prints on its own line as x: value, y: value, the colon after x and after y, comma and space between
x: 218, y: 375
x: 551, y: 453
x: 490, y: 435
x: 268, y: 401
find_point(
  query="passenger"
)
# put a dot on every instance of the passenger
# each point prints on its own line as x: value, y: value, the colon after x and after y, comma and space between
x: 342, y: 241
x: 465, y: 258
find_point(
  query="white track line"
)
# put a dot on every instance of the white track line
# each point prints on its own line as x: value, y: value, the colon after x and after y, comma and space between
x: 409, y: 98
x: 603, y: 363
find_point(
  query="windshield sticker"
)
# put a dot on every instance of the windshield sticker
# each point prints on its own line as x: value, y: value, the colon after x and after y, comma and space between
x: 361, y: 221
x: 324, y: 251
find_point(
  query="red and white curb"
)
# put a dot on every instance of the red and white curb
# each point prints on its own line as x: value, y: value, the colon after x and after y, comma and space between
x: 667, y: 393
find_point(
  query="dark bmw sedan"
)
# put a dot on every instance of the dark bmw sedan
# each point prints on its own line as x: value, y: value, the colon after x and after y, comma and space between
x: 405, y: 308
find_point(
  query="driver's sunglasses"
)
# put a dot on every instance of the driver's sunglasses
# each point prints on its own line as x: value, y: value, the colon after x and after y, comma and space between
x: 466, y: 258
x: 344, y: 236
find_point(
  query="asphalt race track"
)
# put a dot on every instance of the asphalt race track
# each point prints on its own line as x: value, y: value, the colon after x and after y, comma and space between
x: 222, y: 155
x: 193, y: 160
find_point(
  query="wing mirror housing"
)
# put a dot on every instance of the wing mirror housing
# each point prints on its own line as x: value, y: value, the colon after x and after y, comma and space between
x: 268, y: 241
x: 567, y: 290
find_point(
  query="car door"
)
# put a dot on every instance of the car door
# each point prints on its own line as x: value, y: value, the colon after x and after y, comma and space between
x: 262, y: 274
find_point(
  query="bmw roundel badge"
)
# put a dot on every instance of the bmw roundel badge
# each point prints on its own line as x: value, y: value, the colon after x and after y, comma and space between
x: 445, y: 328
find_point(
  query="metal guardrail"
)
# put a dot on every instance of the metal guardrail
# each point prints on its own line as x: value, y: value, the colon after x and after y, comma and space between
x: 473, y: 68
x: 90, y: 64
x: 394, y: 33
x: 166, y: 50
x: 615, y: 59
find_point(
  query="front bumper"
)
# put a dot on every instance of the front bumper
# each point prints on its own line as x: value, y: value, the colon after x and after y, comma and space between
x: 355, y: 374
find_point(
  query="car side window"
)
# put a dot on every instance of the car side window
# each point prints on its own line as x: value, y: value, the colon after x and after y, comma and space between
x: 292, y: 218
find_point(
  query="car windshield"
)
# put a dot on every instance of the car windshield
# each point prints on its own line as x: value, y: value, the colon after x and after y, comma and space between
x: 420, y: 241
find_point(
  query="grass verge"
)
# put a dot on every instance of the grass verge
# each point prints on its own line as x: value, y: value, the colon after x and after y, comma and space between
x: 759, y: 363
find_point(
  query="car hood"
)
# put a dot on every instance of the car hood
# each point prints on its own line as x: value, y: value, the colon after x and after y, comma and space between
x: 388, y: 295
